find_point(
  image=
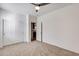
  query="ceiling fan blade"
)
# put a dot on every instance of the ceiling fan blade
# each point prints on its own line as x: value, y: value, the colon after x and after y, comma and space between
x: 43, y: 4
x: 40, y: 4
x: 35, y: 4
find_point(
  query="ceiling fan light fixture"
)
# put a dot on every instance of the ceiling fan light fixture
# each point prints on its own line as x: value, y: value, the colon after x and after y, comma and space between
x: 37, y: 7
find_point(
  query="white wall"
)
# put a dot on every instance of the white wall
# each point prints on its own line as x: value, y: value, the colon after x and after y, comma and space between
x: 61, y: 28
x: 17, y: 27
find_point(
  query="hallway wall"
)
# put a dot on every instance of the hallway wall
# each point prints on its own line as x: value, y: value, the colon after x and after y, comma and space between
x: 61, y: 28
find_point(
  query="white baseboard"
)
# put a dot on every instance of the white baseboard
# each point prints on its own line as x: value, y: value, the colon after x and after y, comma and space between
x: 60, y: 46
x: 13, y: 43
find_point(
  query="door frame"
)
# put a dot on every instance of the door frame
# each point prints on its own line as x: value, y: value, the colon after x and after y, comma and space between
x: 41, y: 32
x: 32, y: 31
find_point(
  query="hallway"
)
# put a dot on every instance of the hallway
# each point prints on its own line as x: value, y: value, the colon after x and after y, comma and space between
x: 34, y: 48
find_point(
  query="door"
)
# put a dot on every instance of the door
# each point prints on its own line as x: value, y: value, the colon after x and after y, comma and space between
x: 8, y: 32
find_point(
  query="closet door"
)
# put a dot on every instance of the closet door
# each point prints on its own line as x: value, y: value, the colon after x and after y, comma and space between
x: 9, y: 31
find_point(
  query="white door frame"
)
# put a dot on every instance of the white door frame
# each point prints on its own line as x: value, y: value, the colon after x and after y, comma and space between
x: 41, y: 32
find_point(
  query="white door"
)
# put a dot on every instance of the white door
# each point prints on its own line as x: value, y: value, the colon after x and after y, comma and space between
x: 39, y: 31
x: 9, y: 32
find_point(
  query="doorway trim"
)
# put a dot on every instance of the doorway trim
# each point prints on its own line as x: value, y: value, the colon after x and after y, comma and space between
x: 33, y: 30
x: 41, y: 32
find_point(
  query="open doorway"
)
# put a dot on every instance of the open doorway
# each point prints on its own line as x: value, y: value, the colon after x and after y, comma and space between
x: 33, y: 31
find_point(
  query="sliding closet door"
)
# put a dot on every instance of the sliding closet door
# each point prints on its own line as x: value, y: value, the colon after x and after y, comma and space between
x: 14, y: 27
x: 9, y: 31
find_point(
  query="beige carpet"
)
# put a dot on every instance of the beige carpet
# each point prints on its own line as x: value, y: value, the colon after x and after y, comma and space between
x: 34, y: 48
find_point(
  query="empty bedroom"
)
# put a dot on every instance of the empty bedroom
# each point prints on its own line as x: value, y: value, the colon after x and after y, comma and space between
x: 39, y: 29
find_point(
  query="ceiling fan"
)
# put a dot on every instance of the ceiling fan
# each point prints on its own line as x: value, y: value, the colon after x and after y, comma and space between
x: 37, y: 5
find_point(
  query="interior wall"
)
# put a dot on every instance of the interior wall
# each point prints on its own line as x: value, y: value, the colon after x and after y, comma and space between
x: 61, y: 28
x: 15, y: 27
x: 18, y: 27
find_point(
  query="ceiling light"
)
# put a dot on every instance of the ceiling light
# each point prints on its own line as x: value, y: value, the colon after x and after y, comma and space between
x: 37, y: 8
x: 38, y: 5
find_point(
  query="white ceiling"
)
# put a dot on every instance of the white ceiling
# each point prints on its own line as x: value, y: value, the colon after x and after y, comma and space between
x: 27, y: 8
